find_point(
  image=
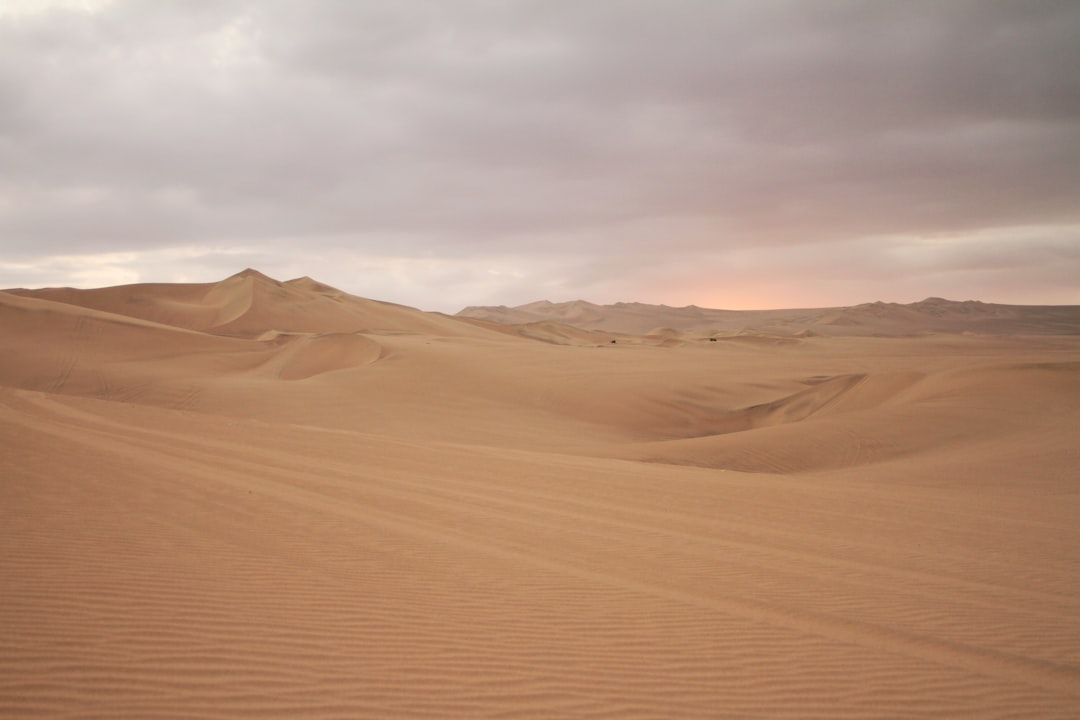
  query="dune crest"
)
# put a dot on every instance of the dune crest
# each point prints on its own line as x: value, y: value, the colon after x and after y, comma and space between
x: 231, y: 298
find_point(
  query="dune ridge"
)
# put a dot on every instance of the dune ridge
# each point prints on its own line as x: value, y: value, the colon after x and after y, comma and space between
x: 257, y: 498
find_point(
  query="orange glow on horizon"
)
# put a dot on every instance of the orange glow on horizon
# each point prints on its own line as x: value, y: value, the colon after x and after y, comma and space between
x: 744, y: 295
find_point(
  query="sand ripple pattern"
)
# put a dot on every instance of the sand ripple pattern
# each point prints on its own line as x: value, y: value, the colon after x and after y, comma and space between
x: 162, y: 564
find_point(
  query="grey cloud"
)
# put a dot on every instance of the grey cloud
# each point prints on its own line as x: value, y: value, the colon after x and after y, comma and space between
x: 477, y: 126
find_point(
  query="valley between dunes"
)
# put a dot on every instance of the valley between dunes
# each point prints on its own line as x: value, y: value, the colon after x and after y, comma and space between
x: 273, y: 499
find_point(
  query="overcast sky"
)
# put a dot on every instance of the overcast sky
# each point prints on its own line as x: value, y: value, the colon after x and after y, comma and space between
x: 443, y: 153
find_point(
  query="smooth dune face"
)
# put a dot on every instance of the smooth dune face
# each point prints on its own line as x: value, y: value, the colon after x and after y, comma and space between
x: 265, y: 499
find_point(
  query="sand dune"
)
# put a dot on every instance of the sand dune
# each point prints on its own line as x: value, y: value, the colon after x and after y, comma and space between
x: 328, y: 353
x: 863, y: 420
x: 250, y: 303
x: 257, y: 498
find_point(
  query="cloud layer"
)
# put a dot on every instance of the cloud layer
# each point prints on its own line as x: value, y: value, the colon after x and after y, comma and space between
x: 440, y: 154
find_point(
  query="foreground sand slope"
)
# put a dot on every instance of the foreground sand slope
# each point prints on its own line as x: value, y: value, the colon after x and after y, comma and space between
x: 408, y: 515
x: 164, y: 564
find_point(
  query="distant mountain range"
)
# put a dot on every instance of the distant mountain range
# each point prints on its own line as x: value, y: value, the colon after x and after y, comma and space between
x: 932, y: 315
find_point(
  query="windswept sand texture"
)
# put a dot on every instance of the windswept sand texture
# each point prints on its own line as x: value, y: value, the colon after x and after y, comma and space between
x: 264, y: 499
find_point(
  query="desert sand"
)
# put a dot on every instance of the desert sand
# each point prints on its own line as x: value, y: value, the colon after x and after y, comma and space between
x: 266, y: 499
